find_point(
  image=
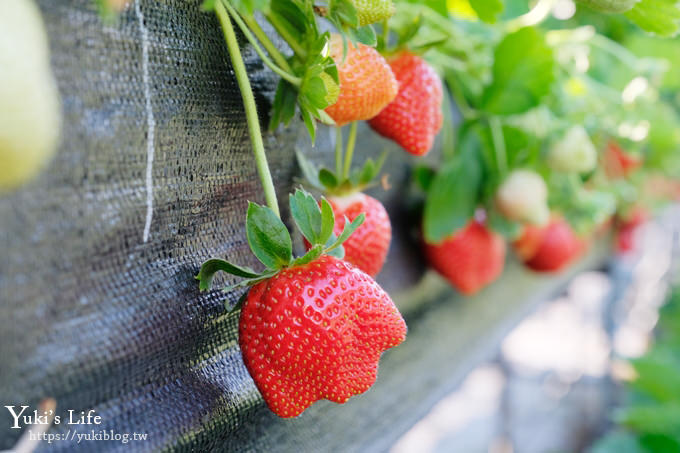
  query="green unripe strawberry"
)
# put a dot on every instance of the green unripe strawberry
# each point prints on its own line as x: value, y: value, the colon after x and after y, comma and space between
x: 574, y: 152
x: 609, y: 6
x: 372, y: 11
x: 29, y: 104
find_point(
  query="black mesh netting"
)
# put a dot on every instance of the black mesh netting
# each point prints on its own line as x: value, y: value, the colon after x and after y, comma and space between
x: 98, y: 305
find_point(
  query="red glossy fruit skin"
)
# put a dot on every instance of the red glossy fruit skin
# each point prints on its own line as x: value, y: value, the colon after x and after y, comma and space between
x: 469, y: 259
x: 414, y: 118
x: 550, y: 248
x: 315, y: 332
x: 618, y: 163
x: 367, y: 83
x: 367, y: 247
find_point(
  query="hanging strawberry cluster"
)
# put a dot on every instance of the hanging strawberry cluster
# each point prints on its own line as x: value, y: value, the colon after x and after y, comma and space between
x: 529, y: 158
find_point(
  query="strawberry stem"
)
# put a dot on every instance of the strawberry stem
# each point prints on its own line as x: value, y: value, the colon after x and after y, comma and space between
x: 338, y: 150
x: 250, y: 107
x: 351, y: 142
x: 267, y: 43
x: 499, y: 145
x: 283, y: 32
x: 296, y: 81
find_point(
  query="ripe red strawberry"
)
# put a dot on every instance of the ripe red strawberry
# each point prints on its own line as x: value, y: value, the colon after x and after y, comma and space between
x: 470, y: 259
x: 549, y: 248
x: 414, y: 118
x: 316, y: 331
x: 618, y: 163
x: 367, y: 84
x: 368, y: 246
x: 625, y: 235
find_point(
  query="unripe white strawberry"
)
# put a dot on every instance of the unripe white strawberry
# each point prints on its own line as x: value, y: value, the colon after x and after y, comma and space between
x: 574, y: 152
x: 523, y: 197
x: 29, y: 104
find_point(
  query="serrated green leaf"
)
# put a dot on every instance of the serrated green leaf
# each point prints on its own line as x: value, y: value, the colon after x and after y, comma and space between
x: 365, y: 35
x: 347, y: 231
x: 310, y: 256
x: 328, y: 178
x: 487, y: 10
x: 661, y: 17
x: 327, y: 221
x: 453, y: 196
x: 309, y: 122
x: 307, y: 215
x: 268, y: 237
x: 283, y: 109
x: 213, y: 266
x: 523, y: 72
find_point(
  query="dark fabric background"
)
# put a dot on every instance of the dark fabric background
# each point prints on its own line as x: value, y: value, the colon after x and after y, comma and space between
x: 95, y: 317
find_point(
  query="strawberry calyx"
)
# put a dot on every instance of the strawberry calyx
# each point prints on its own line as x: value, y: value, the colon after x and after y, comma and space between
x: 270, y: 240
x: 334, y: 183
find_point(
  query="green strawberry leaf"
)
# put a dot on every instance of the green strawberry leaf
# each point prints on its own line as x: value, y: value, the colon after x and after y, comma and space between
x: 452, y: 198
x: 523, y: 73
x: 268, y: 237
x: 338, y: 252
x: 423, y: 177
x: 343, y: 12
x: 501, y: 225
x: 328, y: 179
x: 347, y: 231
x: 365, y: 35
x: 283, y: 109
x: 487, y: 10
x: 661, y: 17
x: 310, y: 256
x: 307, y: 215
x: 212, y: 266
x: 327, y: 221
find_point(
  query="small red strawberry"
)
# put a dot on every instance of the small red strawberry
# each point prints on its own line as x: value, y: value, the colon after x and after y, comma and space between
x: 414, y: 118
x: 618, y: 163
x: 311, y: 327
x: 316, y: 332
x: 367, y: 83
x: 627, y: 227
x: 470, y: 259
x: 549, y: 248
x: 368, y: 246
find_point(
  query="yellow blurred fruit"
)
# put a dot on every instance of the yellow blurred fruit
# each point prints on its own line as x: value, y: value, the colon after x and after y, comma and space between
x: 29, y: 101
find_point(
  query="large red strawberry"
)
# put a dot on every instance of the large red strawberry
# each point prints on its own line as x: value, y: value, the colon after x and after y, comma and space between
x: 367, y: 83
x: 618, y: 163
x: 368, y: 246
x: 316, y: 332
x: 414, y: 118
x: 549, y: 248
x: 311, y: 327
x: 627, y: 227
x: 470, y: 259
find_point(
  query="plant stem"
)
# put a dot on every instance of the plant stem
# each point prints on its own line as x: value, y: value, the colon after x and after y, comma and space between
x: 386, y: 33
x: 338, y: 150
x: 250, y: 108
x: 296, y: 81
x: 297, y: 48
x: 351, y: 142
x: 499, y: 145
x: 267, y: 43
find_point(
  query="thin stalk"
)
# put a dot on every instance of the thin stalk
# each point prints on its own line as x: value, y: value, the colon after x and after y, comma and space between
x: 251, y: 39
x: 338, y: 150
x: 250, y: 108
x: 297, y: 48
x: 267, y: 43
x: 386, y: 33
x: 351, y: 142
x: 499, y: 145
